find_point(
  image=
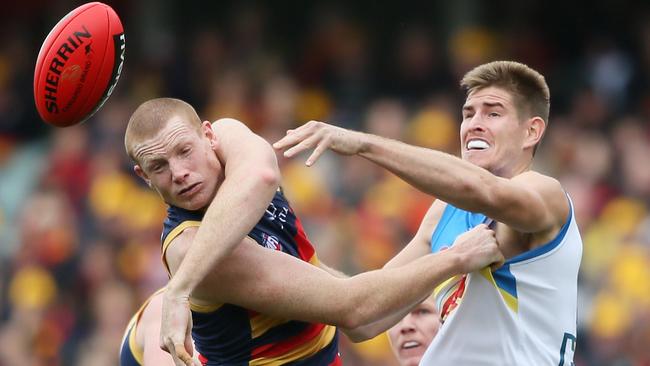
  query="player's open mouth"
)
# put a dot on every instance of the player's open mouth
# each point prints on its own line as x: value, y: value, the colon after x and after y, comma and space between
x: 190, y: 189
x: 410, y: 344
x: 477, y: 144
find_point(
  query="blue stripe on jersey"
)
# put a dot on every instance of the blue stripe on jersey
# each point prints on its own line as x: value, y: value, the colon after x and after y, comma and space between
x: 126, y: 355
x: 453, y: 223
x: 543, y: 249
x: 505, y: 280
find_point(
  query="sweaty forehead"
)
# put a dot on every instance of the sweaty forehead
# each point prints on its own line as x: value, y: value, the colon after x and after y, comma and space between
x: 171, y: 135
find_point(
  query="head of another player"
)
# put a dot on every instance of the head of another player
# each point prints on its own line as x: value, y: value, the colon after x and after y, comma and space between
x: 174, y: 153
x: 411, y: 336
x: 504, y: 116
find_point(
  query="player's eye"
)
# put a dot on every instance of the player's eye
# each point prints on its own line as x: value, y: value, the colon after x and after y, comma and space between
x: 494, y: 114
x: 156, y: 168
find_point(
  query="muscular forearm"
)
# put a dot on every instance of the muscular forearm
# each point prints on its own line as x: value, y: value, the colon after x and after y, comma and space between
x: 251, y: 178
x: 440, y: 174
x: 236, y: 208
x: 368, y: 331
x: 377, y: 295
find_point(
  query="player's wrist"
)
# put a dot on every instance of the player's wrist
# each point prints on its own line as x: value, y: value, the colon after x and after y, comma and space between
x: 457, y: 260
x: 177, y: 291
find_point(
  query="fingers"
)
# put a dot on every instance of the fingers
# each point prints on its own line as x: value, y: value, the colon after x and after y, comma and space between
x: 290, y: 139
x: 169, y: 348
x: 295, y: 136
x: 182, y: 356
x: 303, y: 145
x: 188, y: 339
x: 318, y: 151
x: 496, y: 265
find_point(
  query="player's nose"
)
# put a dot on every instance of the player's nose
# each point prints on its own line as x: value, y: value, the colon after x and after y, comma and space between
x: 406, y: 325
x: 179, y: 171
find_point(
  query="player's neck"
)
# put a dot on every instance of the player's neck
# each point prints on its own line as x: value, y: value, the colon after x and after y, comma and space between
x: 514, y: 169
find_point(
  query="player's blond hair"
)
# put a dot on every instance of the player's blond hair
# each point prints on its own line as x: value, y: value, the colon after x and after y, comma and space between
x: 527, y: 86
x: 152, y: 116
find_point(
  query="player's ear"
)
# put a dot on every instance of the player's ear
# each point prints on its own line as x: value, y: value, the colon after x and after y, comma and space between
x: 534, y: 131
x: 207, y: 130
x: 140, y: 173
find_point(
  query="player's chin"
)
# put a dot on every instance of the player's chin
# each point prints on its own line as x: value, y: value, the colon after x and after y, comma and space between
x: 194, y: 203
x: 410, y: 361
x: 478, y: 158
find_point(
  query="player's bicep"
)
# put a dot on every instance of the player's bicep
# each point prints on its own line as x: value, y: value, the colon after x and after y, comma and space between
x: 420, y: 245
x: 530, y: 202
x: 239, y: 146
x: 276, y: 284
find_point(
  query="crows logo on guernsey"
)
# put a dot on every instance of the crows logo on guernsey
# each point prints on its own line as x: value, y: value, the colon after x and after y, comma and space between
x: 271, y: 242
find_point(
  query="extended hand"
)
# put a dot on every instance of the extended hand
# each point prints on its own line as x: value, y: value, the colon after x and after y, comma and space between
x: 320, y: 136
x: 175, y: 329
x: 478, y: 249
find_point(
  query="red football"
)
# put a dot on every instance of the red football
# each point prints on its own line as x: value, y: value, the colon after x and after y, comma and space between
x: 79, y: 64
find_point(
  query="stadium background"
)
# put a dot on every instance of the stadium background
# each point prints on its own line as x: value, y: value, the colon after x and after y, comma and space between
x: 80, y: 235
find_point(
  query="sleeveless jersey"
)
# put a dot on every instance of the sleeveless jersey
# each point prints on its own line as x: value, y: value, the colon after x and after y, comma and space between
x: 524, y: 313
x: 131, y: 354
x: 230, y: 335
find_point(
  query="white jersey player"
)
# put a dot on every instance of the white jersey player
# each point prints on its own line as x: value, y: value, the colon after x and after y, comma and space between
x: 502, y: 317
x: 524, y: 312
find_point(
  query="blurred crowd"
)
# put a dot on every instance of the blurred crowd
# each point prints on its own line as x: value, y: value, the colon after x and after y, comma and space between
x: 80, y: 235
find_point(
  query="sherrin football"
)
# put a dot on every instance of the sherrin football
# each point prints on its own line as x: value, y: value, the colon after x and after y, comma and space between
x: 79, y: 64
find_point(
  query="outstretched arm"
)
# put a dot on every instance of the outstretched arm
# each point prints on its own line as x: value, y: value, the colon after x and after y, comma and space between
x: 418, y: 247
x: 277, y: 284
x: 528, y: 203
x: 251, y: 178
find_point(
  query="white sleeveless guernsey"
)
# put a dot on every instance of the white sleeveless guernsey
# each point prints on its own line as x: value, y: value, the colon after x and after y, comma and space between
x: 524, y: 313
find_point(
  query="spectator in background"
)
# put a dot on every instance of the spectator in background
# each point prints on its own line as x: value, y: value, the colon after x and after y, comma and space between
x: 411, y: 336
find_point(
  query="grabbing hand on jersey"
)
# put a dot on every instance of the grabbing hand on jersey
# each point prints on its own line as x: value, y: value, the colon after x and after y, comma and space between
x: 478, y: 248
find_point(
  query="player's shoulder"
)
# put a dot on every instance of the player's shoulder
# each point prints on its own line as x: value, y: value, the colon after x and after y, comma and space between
x: 229, y: 124
x: 550, y: 191
x: 535, y: 176
x: 177, y: 219
x: 538, y: 180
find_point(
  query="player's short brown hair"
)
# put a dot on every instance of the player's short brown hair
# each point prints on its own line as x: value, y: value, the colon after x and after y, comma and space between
x: 527, y: 86
x: 152, y: 116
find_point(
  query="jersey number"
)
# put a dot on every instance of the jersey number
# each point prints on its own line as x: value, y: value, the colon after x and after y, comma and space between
x: 571, y: 348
